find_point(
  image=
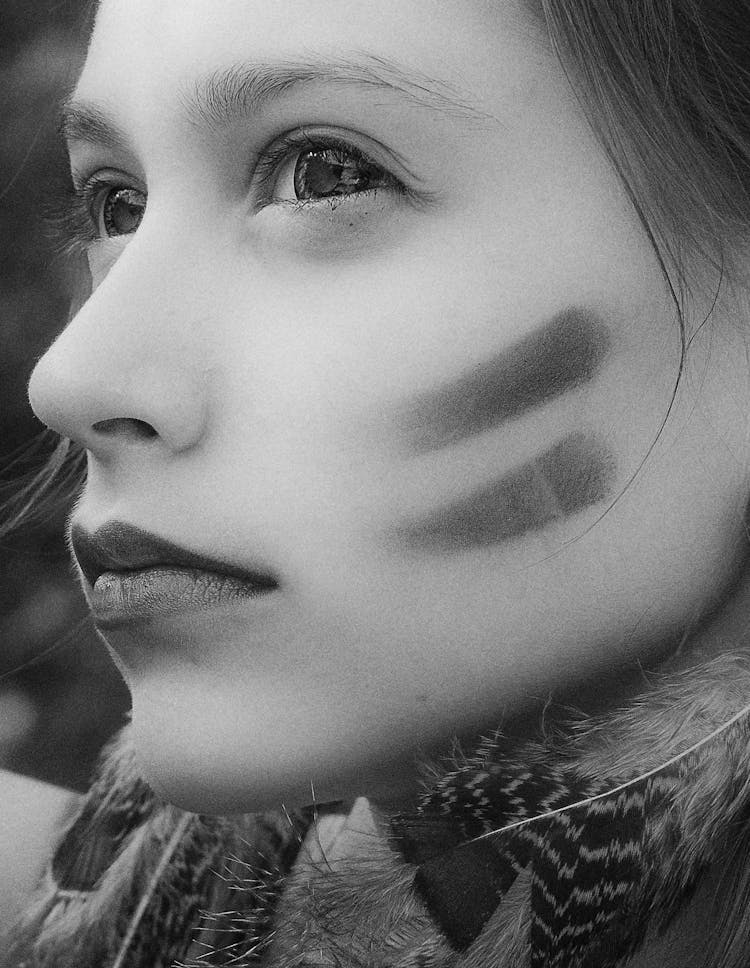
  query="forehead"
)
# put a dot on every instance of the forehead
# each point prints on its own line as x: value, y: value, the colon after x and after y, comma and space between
x: 139, y: 48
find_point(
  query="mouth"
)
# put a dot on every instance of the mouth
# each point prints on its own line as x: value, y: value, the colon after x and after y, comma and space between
x: 132, y: 575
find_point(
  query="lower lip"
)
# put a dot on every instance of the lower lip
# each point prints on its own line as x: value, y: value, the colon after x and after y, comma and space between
x: 124, y: 597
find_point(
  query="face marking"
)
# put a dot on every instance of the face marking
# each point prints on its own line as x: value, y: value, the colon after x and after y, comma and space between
x: 574, y: 474
x: 564, y: 354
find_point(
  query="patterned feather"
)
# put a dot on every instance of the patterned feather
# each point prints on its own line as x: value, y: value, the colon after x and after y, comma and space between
x: 608, y: 855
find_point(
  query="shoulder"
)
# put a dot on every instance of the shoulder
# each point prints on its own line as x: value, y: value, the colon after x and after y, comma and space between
x: 32, y: 814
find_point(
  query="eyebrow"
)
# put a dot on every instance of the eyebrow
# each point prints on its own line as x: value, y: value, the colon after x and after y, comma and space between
x: 214, y: 100
x: 83, y: 121
x: 249, y: 88
x: 573, y: 474
x: 561, y: 355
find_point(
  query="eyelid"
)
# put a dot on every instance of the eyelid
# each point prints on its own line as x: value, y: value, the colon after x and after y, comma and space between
x: 69, y: 215
x: 93, y: 193
x: 112, y: 177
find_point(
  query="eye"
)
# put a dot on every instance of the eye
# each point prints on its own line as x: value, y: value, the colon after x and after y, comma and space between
x: 321, y: 172
x: 100, y: 208
x: 118, y: 210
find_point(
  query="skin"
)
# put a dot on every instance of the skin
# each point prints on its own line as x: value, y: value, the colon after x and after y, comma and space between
x: 246, y: 374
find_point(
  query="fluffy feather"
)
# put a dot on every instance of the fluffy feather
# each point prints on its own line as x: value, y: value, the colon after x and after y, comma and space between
x: 569, y: 852
x: 131, y: 875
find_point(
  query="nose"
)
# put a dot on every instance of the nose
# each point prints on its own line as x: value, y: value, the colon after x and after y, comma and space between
x: 129, y: 370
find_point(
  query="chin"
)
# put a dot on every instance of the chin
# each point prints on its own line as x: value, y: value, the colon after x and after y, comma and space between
x: 182, y: 768
x: 211, y: 768
x: 207, y: 748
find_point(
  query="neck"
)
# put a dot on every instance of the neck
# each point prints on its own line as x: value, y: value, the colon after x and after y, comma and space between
x: 711, y: 630
x: 726, y: 627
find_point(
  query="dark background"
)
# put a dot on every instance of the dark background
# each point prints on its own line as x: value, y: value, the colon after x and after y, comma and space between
x: 60, y: 697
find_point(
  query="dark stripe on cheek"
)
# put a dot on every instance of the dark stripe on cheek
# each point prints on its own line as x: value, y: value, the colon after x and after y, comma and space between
x: 569, y: 477
x: 564, y: 354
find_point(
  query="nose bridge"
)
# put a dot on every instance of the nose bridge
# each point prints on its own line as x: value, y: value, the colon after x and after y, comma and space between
x: 134, y: 356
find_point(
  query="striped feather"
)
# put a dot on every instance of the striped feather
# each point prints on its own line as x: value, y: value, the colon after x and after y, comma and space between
x: 610, y: 855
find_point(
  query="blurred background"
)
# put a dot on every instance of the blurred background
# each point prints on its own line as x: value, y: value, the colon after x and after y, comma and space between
x: 60, y: 697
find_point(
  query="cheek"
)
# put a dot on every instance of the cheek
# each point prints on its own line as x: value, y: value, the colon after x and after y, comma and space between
x: 101, y: 257
x: 321, y: 357
x: 324, y: 373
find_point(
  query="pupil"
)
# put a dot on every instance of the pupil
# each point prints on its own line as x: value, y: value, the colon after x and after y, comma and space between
x: 123, y: 212
x: 321, y: 173
x: 316, y: 175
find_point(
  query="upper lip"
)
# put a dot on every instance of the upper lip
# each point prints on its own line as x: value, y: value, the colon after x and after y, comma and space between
x: 118, y: 546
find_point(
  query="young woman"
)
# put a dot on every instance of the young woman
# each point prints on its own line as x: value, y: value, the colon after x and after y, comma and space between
x: 412, y: 375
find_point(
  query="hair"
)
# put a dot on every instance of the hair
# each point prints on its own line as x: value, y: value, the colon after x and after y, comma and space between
x: 666, y: 88
x: 665, y: 85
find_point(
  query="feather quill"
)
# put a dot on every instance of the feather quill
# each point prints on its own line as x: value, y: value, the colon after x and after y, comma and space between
x: 165, y: 858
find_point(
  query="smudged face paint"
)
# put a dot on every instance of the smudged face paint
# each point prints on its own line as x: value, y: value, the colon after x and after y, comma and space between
x: 372, y: 313
x: 562, y: 355
x: 571, y: 476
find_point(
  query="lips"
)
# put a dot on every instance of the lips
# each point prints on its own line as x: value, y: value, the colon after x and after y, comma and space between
x: 132, y: 575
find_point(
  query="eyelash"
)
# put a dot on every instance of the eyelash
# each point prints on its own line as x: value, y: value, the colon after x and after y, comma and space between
x: 72, y: 218
x: 69, y: 216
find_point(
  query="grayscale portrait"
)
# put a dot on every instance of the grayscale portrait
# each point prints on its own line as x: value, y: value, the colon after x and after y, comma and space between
x: 375, y: 484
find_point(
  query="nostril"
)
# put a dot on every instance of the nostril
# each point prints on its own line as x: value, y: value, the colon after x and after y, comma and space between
x: 128, y: 428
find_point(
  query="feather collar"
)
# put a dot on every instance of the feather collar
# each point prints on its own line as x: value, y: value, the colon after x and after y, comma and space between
x: 570, y: 851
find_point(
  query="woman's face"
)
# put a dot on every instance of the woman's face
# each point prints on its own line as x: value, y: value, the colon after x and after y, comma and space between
x: 388, y: 332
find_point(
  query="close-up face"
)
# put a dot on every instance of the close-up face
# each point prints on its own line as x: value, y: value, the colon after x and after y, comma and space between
x: 379, y: 351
